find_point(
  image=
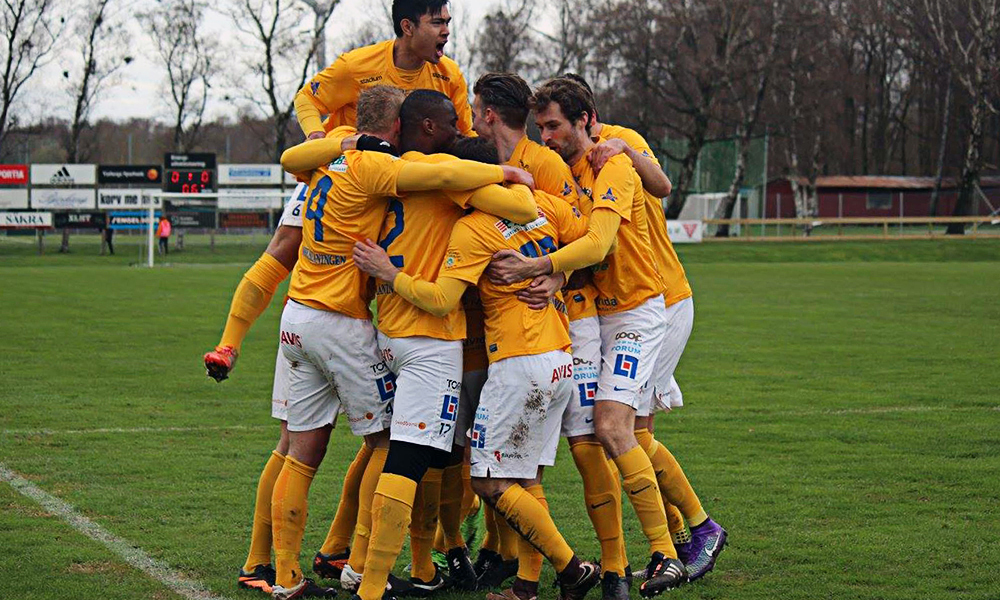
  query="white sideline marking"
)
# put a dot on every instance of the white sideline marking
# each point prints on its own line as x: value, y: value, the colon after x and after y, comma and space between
x: 134, y: 430
x: 158, y: 570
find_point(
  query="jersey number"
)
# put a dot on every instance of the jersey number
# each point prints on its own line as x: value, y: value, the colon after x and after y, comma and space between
x: 396, y: 208
x: 544, y: 246
x: 314, y: 212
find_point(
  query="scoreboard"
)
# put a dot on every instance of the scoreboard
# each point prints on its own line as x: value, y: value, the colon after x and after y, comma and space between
x: 189, y: 173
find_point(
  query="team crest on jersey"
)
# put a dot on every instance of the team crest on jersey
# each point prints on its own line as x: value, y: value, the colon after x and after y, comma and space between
x: 339, y: 165
x: 314, y: 87
x: 626, y: 365
x: 576, y: 213
x: 449, y: 411
x: 567, y: 190
x: 609, y: 196
x: 588, y: 392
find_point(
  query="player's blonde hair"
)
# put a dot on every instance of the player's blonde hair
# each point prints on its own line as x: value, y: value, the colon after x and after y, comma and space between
x: 378, y: 108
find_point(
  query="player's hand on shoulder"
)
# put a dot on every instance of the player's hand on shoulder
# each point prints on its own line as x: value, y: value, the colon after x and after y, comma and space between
x: 372, y: 259
x: 513, y: 175
x: 542, y: 289
x: 316, y: 135
x: 602, y: 153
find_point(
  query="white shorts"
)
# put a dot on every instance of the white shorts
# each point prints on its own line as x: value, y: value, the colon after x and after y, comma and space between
x: 520, y: 409
x: 468, y: 402
x: 680, y: 320
x: 279, y: 393
x: 672, y: 399
x: 586, y: 337
x: 334, y: 363
x: 428, y: 385
x: 630, y: 344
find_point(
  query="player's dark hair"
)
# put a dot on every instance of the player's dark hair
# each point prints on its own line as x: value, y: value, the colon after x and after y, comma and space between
x: 580, y: 79
x: 475, y: 148
x: 413, y: 10
x: 378, y: 108
x: 508, y: 95
x: 573, y: 99
x: 424, y: 104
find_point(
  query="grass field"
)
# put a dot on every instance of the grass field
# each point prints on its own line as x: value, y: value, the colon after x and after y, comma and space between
x: 842, y: 421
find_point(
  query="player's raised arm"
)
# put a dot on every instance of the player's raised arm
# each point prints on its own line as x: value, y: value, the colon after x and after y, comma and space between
x: 324, y: 94
x: 631, y: 144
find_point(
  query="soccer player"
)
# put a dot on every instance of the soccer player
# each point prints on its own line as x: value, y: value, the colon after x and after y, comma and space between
x: 414, y: 60
x: 425, y: 353
x: 699, y: 549
x: 500, y: 108
x: 629, y: 303
x: 530, y: 373
x: 326, y: 330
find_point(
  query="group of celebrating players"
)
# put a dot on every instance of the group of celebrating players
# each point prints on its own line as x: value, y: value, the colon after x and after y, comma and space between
x: 523, y: 292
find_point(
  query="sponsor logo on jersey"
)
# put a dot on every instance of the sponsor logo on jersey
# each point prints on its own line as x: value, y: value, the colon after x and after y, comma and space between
x: 493, y: 348
x: 478, y: 436
x: 626, y: 365
x: 386, y: 387
x: 440, y: 76
x: 609, y: 196
x: 371, y: 79
x: 561, y: 371
x: 339, y: 165
x: 508, y: 229
x: 291, y: 339
x: 323, y: 259
x: 607, y: 302
x: 449, y: 410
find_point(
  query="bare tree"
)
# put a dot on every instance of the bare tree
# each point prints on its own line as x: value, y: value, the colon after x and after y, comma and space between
x: 967, y: 37
x: 280, y: 57
x: 30, y: 29
x: 567, y: 46
x: 104, y: 50
x: 748, y: 92
x: 506, y: 41
x: 188, y: 57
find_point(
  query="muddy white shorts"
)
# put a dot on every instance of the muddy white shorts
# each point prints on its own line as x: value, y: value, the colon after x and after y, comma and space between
x: 680, y: 320
x: 279, y: 393
x: 334, y: 363
x: 630, y: 345
x: 468, y: 402
x: 520, y: 410
x: 586, y: 337
x: 428, y: 385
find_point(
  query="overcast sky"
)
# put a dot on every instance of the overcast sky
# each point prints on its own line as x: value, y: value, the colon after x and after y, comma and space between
x: 142, y: 82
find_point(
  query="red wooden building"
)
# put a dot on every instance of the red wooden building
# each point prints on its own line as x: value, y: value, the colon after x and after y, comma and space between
x: 879, y: 196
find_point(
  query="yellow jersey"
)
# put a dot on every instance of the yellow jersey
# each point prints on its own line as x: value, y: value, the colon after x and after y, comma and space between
x: 553, y: 175
x: 628, y: 277
x: 415, y: 235
x: 334, y: 91
x: 345, y: 203
x: 674, y: 278
x: 512, y: 328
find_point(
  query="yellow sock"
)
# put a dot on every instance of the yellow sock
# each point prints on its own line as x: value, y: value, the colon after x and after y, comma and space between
x: 673, y: 483
x: 470, y: 501
x: 391, y: 510
x: 451, y: 507
x: 675, y: 520
x: 509, y: 539
x: 531, y: 519
x: 424, y: 525
x: 602, y: 495
x: 529, y: 560
x: 289, y: 505
x: 644, y: 494
x: 251, y: 297
x: 260, y: 537
x: 342, y: 528
x: 362, y: 531
x: 491, y: 539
